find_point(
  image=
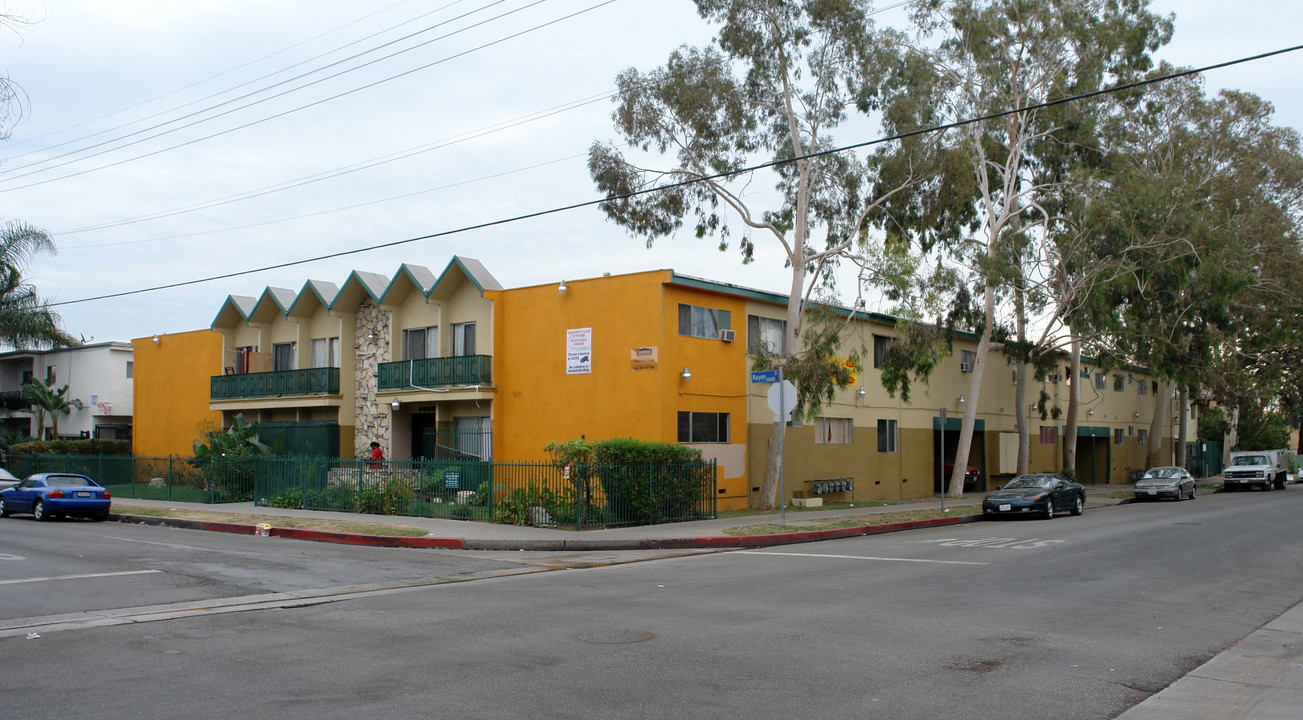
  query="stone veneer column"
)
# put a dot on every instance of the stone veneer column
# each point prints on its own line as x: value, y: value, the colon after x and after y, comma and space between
x: 373, y: 419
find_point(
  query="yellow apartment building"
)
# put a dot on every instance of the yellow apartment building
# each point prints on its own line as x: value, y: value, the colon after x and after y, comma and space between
x: 454, y: 365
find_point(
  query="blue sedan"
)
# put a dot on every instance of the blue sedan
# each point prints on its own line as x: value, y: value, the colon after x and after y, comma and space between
x: 46, y: 495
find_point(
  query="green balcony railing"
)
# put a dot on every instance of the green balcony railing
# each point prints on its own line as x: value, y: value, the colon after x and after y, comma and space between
x: 436, y: 372
x: 287, y: 383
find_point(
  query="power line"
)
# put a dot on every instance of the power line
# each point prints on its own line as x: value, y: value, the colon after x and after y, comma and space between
x: 685, y: 183
x: 215, y: 76
x: 278, y: 95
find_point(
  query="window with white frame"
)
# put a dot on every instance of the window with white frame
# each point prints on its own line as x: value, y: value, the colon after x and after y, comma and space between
x: 703, y: 427
x: 131, y: 369
x: 766, y: 333
x: 1117, y: 383
x: 1049, y: 434
x: 1101, y: 380
x: 463, y: 339
x: 833, y: 431
x: 703, y: 322
x: 325, y: 352
x: 1142, y: 388
x: 242, y: 359
x: 888, y: 436
x: 1118, y: 437
x: 966, y: 360
x: 1142, y: 436
x: 421, y: 343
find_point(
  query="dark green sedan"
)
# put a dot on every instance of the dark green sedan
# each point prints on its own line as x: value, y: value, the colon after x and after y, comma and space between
x: 1040, y: 495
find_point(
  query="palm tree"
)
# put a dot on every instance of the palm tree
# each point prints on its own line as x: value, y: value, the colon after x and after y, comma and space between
x: 46, y: 399
x: 25, y: 319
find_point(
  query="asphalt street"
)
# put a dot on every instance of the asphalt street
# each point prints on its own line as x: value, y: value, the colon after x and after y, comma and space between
x: 1069, y: 618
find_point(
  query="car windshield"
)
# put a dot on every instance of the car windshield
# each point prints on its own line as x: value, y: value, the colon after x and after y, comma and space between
x: 1249, y: 460
x: 1029, y: 481
x: 67, y: 480
x: 1163, y: 473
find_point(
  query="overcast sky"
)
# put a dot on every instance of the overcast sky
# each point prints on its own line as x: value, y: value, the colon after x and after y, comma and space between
x: 491, y: 118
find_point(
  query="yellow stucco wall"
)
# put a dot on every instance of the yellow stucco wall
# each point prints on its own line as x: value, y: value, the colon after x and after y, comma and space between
x: 540, y: 402
x: 172, y: 391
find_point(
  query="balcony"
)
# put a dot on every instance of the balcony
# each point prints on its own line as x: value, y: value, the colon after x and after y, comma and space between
x: 436, y: 372
x: 12, y: 401
x: 288, y: 383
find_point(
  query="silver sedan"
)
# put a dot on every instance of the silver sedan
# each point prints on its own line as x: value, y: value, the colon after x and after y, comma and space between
x: 1165, y: 482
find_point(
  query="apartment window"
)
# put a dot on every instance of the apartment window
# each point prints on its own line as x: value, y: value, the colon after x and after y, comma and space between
x: 1067, y: 373
x: 421, y: 343
x: 1155, y: 387
x: 765, y: 333
x: 1142, y: 388
x: 966, y: 360
x: 1142, y: 436
x: 1049, y: 434
x: 131, y: 369
x: 50, y: 374
x: 888, y: 433
x: 703, y: 427
x: 1100, y: 380
x: 1117, y: 383
x: 1117, y: 436
x: 880, y: 345
x: 282, y: 357
x: 703, y: 322
x: 833, y: 431
x: 463, y: 339
x: 325, y: 352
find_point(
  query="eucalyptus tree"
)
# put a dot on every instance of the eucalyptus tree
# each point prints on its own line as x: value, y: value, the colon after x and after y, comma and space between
x: 1212, y: 192
x: 980, y: 63
x: 768, y: 90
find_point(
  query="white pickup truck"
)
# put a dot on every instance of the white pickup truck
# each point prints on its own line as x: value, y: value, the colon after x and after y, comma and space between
x: 1264, y: 469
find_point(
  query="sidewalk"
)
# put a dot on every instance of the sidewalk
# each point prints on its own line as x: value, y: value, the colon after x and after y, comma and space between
x: 469, y: 535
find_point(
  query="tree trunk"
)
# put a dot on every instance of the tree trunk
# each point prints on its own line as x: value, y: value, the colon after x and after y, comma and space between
x: 1074, y: 400
x: 1161, y: 419
x: 1232, y: 436
x: 774, y: 460
x: 984, y: 345
x: 1182, y: 425
x: 1020, y: 416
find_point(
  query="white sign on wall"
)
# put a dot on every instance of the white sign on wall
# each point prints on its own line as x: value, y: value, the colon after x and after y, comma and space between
x: 579, y: 351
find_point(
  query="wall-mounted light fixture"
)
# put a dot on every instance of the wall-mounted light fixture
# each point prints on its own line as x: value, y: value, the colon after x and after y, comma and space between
x: 1137, y: 413
x: 686, y: 374
x: 1035, y: 407
x: 863, y: 392
x: 395, y: 404
x: 961, y: 399
x: 561, y: 289
x: 155, y: 338
x: 1090, y: 411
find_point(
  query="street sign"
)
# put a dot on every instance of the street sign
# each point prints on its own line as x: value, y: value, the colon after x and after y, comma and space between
x: 764, y: 376
x: 782, y: 399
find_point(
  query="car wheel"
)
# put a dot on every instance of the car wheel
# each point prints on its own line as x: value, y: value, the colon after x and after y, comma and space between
x: 1180, y: 494
x: 1049, y: 508
x: 1193, y: 489
x: 38, y: 510
x: 1266, y: 487
x: 1079, y: 505
x: 4, y: 509
x: 100, y: 517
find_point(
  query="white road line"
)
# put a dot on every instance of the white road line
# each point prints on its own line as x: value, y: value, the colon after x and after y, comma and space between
x: 858, y: 557
x: 79, y: 577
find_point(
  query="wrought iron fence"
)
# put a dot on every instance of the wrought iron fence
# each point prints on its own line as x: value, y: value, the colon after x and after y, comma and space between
x: 519, y: 493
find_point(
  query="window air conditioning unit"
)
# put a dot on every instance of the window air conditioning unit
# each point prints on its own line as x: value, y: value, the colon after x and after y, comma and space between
x: 1055, y: 377
x: 727, y: 335
x: 965, y: 366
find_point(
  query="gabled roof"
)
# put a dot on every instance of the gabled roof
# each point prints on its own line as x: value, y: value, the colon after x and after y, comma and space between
x: 273, y: 300
x: 235, y: 310
x: 324, y: 293
x: 359, y: 286
x: 462, y: 269
x: 409, y: 277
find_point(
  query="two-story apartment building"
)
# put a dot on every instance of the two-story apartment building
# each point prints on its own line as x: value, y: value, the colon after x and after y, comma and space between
x: 100, y: 375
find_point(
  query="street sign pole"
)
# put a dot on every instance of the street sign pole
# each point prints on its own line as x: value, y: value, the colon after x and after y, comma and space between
x: 943, y: 460
x: 782, y: 456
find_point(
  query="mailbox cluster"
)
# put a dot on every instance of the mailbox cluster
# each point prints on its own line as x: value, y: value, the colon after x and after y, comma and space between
x: 823, y: 487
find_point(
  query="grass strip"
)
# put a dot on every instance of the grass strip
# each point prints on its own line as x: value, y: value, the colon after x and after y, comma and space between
x: 854, y: 521
x: 280, y: 521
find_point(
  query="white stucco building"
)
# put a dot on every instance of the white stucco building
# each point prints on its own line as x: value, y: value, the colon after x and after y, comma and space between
x: 98, y: 374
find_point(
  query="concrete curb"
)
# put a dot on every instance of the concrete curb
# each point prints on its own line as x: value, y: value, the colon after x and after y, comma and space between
x: 430, y: 542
